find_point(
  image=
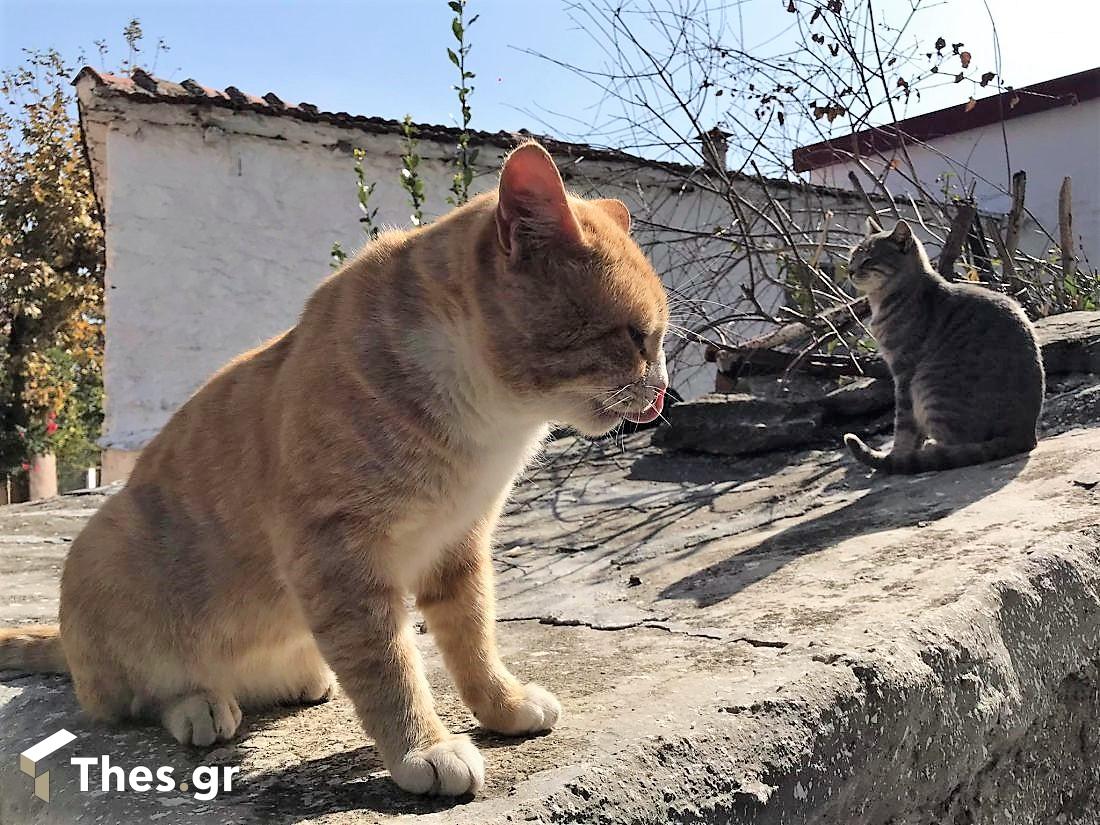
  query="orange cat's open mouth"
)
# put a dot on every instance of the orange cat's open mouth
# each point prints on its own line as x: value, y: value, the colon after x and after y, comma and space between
x: 650, y: 413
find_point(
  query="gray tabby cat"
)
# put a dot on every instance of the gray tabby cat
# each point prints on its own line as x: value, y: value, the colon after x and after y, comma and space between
x: 968, y: 375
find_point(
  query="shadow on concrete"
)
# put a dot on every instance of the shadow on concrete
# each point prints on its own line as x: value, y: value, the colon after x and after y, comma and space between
x: 689, y: 485
x: 892, y: 502
x: 350, y: 781
x: 708, y: 468
x: 704, y: 468
x: 347, y: 782
x: 344, y: 782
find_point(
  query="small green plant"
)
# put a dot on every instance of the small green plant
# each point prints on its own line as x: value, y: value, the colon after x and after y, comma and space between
x: 337, y: 256
x: 364, y: 191
x: 465, y: 157
x: 798, y: 282
x: 410, y: 176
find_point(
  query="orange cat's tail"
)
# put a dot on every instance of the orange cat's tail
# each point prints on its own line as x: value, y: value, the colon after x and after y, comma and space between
x: 32, y: 649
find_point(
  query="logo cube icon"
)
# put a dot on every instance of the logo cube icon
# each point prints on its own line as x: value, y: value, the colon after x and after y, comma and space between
x: 31, y: 760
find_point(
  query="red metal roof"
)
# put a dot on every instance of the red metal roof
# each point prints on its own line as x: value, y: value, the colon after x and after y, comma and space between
x: 1062, y: 91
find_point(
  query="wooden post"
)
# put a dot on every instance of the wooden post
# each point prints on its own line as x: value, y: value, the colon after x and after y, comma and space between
x: 956, y: 237
x: 979, y: 250
x: 1016, y: 214
x: 1065, y: 237
x: 1008, y: 266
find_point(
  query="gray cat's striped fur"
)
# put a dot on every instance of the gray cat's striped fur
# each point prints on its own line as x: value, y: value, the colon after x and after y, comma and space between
x: 968, y: 374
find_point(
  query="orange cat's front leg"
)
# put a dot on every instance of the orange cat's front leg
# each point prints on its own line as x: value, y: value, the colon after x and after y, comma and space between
x: 363, y: 630
x: 457, y: 603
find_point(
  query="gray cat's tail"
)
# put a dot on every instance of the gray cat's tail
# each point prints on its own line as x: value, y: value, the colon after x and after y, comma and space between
x: 937, y: 456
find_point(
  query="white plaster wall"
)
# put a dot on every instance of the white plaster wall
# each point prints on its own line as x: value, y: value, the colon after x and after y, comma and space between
x: 214, y: 242
x: 1049, y: 146
x: 219, y: 225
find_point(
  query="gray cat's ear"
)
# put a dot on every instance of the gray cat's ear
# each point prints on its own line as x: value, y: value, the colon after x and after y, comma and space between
x: 870, y: 227
x: 902, y: 234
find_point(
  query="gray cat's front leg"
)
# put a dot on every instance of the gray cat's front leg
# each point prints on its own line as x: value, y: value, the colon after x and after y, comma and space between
x: 907, y: 436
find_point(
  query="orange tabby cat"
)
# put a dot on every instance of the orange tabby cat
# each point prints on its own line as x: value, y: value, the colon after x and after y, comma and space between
x: 272, y: 530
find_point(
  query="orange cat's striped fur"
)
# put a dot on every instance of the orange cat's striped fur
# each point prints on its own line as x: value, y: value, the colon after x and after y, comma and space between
x: 269, y: 534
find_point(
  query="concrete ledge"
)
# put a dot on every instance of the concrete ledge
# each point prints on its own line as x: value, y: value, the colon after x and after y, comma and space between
x: 775, y: 640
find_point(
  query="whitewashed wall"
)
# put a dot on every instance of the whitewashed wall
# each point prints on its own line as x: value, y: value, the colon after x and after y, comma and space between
x: 219, y: 225
x: 1049, y: 146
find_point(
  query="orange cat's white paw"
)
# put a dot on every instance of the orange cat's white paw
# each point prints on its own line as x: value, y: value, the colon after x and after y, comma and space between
x: 320, y: 690
x: 536, y: 710
x: 201, y: 720
x: 453, y: 767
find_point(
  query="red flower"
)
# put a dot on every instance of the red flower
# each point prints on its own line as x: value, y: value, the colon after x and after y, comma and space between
x: 51, y: 426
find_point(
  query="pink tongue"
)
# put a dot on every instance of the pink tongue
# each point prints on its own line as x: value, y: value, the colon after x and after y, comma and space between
x: 649, y: 413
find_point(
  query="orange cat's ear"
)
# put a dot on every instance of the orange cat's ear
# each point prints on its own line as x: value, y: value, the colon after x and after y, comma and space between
x: 616, y: 209
x: 532, y: 199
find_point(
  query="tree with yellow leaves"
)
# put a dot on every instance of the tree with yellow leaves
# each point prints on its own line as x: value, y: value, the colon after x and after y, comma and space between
x: 51, y: 275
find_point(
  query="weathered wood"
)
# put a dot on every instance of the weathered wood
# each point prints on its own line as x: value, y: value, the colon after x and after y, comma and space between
x: 768, y: 354
x: 956, y: 237
x: 776, y: 362
x: 838, y: 317
x: 1016, y: 213
x: 1008, y: 266
x: 1065, y: 238
x: 979, y: 250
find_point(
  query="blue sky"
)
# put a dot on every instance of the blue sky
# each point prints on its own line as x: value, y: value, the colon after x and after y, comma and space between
x: 382, y: 57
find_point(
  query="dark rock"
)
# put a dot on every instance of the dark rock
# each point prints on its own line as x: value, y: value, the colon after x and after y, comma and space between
x: 772, y: 413
x: 739, y: 424
x: 1070, y: 342
x: 1077, y: 404
x: 864, y: 396
x: 775, y: 414
x: 795, y: 389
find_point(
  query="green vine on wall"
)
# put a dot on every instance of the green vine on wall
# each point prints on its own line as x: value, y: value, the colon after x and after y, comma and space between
x: 465, y: 157
x: 410, y: 176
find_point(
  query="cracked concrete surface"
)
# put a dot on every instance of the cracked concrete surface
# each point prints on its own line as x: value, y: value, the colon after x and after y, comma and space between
x: 776, y: 640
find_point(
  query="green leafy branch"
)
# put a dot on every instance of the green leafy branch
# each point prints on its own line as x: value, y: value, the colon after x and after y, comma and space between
x: 364, y: 191
x: 410, y: 176
x: 410, y: 179
x: 465, y: 157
